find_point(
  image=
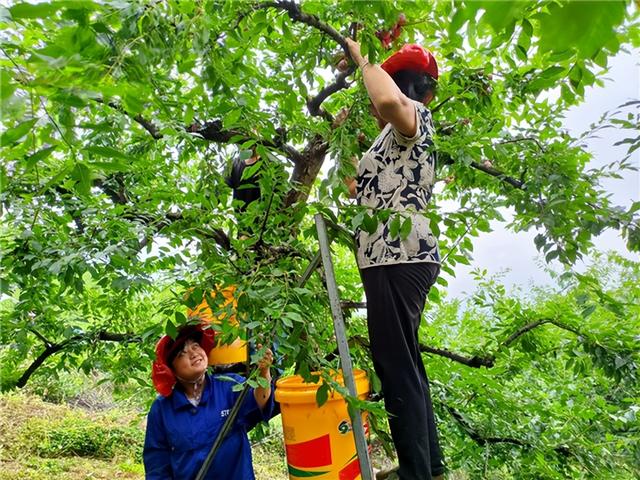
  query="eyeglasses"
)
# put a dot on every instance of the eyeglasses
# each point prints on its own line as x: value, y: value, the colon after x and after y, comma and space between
x: 189, y: 346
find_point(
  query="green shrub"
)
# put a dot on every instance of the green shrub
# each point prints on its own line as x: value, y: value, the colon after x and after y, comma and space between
x: 82, y: 437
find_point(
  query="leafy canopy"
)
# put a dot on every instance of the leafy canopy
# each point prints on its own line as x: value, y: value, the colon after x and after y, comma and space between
x: 120, y: 119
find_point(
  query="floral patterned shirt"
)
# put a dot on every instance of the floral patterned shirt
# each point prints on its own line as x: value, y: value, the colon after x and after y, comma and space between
x: 396, y: 175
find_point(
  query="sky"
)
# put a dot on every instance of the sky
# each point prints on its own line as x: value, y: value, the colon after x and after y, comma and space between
x: 513, y: 255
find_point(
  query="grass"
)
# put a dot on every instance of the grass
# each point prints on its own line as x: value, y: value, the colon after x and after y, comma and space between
x: 41, y: 440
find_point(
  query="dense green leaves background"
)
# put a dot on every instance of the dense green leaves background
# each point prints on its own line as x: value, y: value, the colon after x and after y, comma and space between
x: 120, y: 120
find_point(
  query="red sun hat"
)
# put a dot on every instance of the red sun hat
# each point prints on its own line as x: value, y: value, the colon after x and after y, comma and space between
x: 411, y: 57
x: 161, y: 373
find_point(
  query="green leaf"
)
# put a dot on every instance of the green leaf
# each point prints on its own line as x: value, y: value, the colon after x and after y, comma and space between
x: 588, y: 311
x: 322, y: 394
x: 500, y: 14
x: 251, y: 170
x: 32, y: 160
x: 405, y: 229
x: 553, y: 72
x: 180, y: 318
x: 231, y: 118
x: 69, y: 98
x: 82, y: 175
x: 171, y: 329
x: 107, y: 152
x: 7, y: 86
x: 295, y: 316
x: 370, y: 223
x: 394, y: 226
x: 17, y: 132
x: 551, y: 255
x: 33, y: 10
x: 582, y: 26
x: 133, y: 104
x: 109, y: 166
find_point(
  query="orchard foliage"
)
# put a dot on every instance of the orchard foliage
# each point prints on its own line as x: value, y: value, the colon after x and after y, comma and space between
x: 120, y: 119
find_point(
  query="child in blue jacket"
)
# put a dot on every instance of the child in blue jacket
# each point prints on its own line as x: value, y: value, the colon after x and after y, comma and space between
x: 190, y: 411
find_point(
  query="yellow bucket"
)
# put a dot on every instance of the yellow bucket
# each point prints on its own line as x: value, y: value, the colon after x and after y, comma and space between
x: 222, y: 354
x: 319, y: 440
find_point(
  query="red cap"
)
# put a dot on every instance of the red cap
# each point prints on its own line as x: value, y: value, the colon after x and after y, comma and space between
x: 411, y: 57
x: 161, y: 373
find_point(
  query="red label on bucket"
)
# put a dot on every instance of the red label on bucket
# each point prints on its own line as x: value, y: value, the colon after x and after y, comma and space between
x: 351, y: 471
x: 313, y: 453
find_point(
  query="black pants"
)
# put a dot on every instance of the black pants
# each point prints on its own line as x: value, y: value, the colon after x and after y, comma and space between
x: 396, y: 295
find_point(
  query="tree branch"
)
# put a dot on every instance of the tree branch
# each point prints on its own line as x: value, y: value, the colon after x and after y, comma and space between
x: 264, y: 220
x: 521, y: 331
x: 53, y: 348
x: 297, y: 15
x: 473, y: 362
x: 306, y: 171
x: 475, y: 435
x: 482, y: 440
x: 146, y: 124
x: 347, y: 304
x: 40, y: 336
x: 530, y: 326
x: 519, y: 184
x: 49, y: 350
x: 313, y: 103
x: 524, y: 139
x: 498, y: 174
x: 213, y: 131
x: 117, y: 195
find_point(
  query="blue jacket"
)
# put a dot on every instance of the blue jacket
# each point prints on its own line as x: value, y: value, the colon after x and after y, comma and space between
x: 179, y: 435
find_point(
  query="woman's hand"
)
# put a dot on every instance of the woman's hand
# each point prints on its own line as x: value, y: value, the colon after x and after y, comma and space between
x: 262, y: 394
x: 264, y: 364
x: 350, y: 182
x: 354, y: 51
x: 391, y: 105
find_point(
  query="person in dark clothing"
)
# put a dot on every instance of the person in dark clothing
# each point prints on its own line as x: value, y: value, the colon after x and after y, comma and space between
x: 245, y: 190
x: 396, y: 175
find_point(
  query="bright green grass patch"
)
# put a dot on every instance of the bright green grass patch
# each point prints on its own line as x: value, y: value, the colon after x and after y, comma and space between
x: 81, y: 437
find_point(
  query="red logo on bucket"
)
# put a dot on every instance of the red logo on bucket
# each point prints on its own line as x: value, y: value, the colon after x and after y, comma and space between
x: 310, y: 454
x: 351, y: 471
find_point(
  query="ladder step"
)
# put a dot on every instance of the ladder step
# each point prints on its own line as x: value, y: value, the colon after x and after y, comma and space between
x: 348, y: 305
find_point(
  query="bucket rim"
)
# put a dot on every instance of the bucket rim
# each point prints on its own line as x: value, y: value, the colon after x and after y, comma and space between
x: 293, y: 389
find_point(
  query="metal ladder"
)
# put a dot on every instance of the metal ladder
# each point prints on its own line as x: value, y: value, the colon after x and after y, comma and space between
x: 343, y: 347
x: 362, y: 450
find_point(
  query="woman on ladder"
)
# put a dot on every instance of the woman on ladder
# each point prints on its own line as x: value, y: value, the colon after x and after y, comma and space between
x: 397, y: 175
